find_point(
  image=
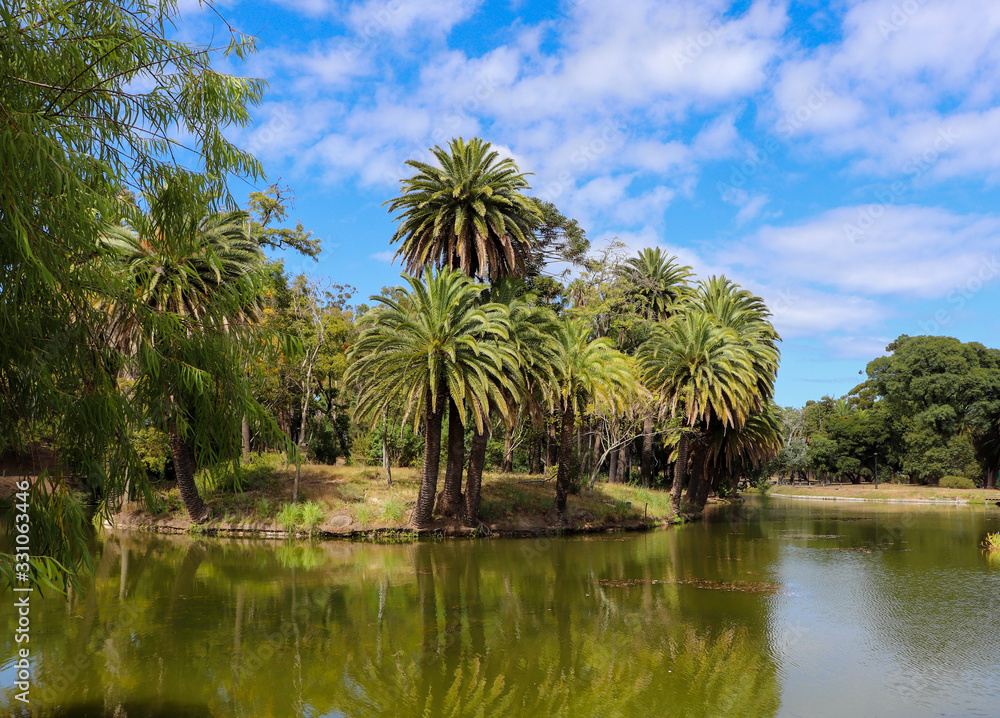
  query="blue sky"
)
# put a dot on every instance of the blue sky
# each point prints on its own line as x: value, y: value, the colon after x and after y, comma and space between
x: 841, y: 159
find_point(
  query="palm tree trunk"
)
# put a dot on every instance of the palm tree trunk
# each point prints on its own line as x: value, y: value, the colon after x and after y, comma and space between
x: 449, y: 501
x: 697, y: 477
x: 613, y: 467
x: 565, y: 454
x: 432, y: 460
x: 646, y: 462
x: 680, y: 470
x: 622, y: 464
x: 184, y: 468
x: 474, y: 478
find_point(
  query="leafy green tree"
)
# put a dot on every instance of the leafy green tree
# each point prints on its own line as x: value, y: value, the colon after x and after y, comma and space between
x: 467, y: 213
x: 434, y: 342
x: 269, y: 208
x: 199, y: 276
x: 78, y: 133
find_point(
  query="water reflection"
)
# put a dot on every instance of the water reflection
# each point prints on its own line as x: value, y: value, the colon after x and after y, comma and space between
x: 672, y: 623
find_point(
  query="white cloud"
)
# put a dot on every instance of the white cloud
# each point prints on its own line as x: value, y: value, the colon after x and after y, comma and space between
x: 878, y: 250
x: 386, y: 256
x: 398, y: 17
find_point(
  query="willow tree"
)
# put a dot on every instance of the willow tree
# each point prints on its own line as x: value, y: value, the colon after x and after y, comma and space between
x: 92, y: 98
x: 430, y: 343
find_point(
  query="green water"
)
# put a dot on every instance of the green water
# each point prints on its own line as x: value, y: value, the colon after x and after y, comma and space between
x: 778, y: 608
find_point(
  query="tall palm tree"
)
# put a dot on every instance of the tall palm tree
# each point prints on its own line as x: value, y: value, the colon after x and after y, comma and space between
x: 467, y: 213
x: 196, y: 277
x: 587, y: 370
x: 434, y: 342
x: 703, y: 372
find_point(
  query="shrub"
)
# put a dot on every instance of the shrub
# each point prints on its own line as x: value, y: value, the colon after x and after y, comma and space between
x: 264, y: 507
x: 311, y: 515
x: 288, y: 517
x: 153, y: 447
x: 394, y: 509
x: 956, y: 482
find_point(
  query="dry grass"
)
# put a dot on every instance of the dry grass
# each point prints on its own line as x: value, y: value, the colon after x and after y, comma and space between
x: 891, y: 491
x: 356, y: 498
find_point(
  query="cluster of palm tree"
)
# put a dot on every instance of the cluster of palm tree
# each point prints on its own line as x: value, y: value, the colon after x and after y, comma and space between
x: 705, y: 364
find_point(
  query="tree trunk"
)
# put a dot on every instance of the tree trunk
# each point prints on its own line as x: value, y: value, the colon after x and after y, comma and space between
x: 184, y: 469
x: 622, y: 464
x: 386, y: 464
x: 613, y: 467
x: 432, y: 460
x: 535, y: 460
x: 474, y: 478
x: 449, y: 501
x: 508, y: 452
x: 246, y: 438
x: 646, y: 461
x: 552, y: 445
x: 680, y: 470
x: 696, y: 480
x: 565, y: 455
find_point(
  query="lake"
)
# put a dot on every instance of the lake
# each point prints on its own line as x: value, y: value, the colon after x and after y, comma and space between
x: 776, y: 607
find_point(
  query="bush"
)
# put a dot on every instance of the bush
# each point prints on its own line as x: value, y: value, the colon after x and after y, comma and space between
x: 405, y: 446
x: 308, y: 516
x: 956, y: 482
x: 153, y: 447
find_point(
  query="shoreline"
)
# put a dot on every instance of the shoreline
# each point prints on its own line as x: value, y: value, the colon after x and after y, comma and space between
x: 377, y: 533
x: 975, y: 500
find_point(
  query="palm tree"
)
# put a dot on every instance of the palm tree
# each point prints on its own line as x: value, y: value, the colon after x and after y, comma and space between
x: 434, y: 342
x: 587, y: 370
x: 658, y: 280
x: 196, y: 279
x: 703, y: 373
x: 468, y: 213
x: 660, y: 283
x: 532, y: 340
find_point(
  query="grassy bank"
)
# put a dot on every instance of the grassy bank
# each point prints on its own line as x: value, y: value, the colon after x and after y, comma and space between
x: 890, y: 491
x: 350, y: 500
